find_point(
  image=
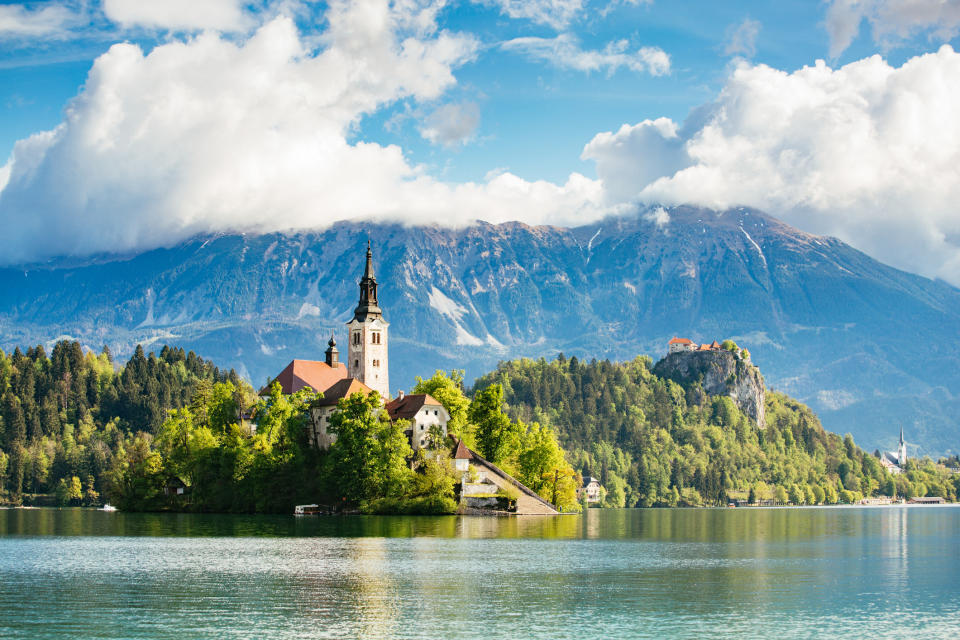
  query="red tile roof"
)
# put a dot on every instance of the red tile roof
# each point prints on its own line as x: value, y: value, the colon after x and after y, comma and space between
x: 461, y: 452
x: 342, y: 389
x: 680, y: 341
x: 300, y: 374
x: 406, y: 408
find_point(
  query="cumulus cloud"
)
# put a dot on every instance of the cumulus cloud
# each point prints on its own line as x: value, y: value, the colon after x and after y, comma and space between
x: 452, y: 124
x: 868, y: 152
x: 186, y: 15
x: 564, y: 51
x: 890, y: 21
x: 212, y: 134
x: 554, y: 13
x: 16, y: 20
x: 635, y: 156
x: 742, y: 41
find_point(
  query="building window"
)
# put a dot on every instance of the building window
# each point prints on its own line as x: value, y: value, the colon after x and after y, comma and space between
x: 375, y: 337
x: 356, y: 364
x: 356, y: 337
x: 422, y: 442
x: 421, y: 427
x: 376, y: 363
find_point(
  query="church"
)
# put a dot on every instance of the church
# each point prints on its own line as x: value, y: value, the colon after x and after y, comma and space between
x: 894, y: 461
x: 366, y: 370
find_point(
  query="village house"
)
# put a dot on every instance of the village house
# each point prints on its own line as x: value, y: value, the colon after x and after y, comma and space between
x: 423, y: 412
x: 590, y: 489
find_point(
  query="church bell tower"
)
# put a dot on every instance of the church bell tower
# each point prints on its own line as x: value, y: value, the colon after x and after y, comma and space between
x: 367, y: 336
x: 901, y: 449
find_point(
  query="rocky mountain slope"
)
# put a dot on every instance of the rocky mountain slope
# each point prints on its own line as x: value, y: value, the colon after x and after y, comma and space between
x: 866, y: 345
x: 719, y: 373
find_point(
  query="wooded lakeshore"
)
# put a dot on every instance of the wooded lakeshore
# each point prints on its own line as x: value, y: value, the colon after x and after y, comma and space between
x: 78, y: 428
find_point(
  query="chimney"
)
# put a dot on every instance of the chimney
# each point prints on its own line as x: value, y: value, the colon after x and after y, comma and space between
x: 400, y: 394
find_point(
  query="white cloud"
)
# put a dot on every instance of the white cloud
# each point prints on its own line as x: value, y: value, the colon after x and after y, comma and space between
x: 50, y: 20
x: 742, y: 41
x: 564, y: 51
x: 891, y: 21
x: 554, y: 13
x: 211, y: 134
x: 177, y: 15
x: 452, y: 124
x: 635, y: 156
x: 867, y: 152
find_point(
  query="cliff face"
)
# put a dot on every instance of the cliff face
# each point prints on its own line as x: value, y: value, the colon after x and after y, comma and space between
x: 720, y: 373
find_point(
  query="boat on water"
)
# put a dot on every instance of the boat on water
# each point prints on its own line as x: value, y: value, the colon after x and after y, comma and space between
x: 309, y: 510
x: 108, y: 507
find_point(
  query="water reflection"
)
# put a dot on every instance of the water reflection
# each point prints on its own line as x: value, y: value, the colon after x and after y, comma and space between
x: 630, y: 573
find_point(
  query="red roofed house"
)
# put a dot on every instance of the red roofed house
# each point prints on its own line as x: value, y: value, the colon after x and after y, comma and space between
x: 423, y: 411
x: 679, y: 345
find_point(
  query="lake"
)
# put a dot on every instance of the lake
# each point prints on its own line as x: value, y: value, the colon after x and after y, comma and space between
x: 882, y: 572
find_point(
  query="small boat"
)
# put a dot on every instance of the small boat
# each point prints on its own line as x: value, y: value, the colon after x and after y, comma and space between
x: 308, y: 510
x: 108, y: 507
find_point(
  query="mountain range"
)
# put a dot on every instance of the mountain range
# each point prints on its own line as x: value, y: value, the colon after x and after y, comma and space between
x: 869, y: 347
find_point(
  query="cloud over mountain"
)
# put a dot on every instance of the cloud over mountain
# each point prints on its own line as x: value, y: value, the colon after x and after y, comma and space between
x: 868, y: 152
x: 208, y: 134
x: 257, y: 131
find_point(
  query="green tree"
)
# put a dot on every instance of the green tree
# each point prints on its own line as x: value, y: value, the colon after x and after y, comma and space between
x: 496, y: 436
x: 369, y: 458
x: 819, y: 496
x: 780, y: 495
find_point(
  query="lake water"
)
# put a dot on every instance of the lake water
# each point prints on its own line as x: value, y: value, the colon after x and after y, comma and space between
x: 886, y: 572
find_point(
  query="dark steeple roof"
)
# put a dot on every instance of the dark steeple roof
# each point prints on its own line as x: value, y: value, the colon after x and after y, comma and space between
x: 367, y: 308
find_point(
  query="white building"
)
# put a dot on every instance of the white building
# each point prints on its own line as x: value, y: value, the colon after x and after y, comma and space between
x: 423, y: 411
x: 680, y: 345
x: 591, y: 489
x: 893, y: 462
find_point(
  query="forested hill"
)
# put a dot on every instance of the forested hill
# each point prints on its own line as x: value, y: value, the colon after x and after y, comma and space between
x: 67, y: 415
x: 654, y: 442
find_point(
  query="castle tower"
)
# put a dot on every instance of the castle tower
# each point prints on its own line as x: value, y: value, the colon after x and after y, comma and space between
x: 901, y: 449
x: 367, y: 336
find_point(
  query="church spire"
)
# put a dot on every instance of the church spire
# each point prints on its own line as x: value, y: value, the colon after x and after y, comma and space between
x: 368, y: 271
x: 901, y: 449
x: 368, y: 307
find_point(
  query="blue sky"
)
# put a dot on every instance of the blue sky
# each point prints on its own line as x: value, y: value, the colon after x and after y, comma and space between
x: 500, y: 109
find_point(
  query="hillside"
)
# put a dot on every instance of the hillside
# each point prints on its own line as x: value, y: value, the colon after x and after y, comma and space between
x: 76, y: 415
x: 652, y: 441
x: 843, y: 333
